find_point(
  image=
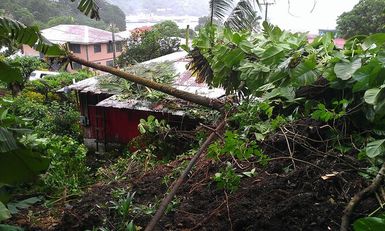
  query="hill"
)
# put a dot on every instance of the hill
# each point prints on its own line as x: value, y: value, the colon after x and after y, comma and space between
x: 161, y: 7
x: 46, y: 13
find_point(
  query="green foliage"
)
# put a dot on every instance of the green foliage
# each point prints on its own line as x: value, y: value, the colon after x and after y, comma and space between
x: 68, y: 171
x: 369, y: 223
x: 237, y: 146
x: 365, y: 18
x: 4, y: 212
x: 152, y: 126
x: 227, y: 178
x: 325, y: 115
x: 47, y: 13
x: 163, y: 72
x: 149, y: 44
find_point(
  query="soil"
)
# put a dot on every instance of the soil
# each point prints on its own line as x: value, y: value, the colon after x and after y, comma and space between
x: 305, y: 187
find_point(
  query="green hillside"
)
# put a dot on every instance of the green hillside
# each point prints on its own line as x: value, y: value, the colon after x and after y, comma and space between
x: 48, y: 13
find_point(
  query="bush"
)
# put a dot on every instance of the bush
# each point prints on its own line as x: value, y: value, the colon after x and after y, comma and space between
x: 68, y: 170
x: 33, y: 96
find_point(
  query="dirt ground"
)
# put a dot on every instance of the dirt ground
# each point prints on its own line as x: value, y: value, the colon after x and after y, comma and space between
x: 304, y: 188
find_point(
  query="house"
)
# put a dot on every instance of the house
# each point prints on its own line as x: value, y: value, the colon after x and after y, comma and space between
x: 109, y: 117
x: 92, y: 44
x: 338, y: 42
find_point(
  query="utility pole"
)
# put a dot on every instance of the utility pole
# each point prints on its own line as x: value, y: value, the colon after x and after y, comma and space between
x: 113, y: 45
x: 266, y: 4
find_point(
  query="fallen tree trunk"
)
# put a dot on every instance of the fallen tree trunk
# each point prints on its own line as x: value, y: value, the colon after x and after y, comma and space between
x: 159, y: 213
x: 194, y: 98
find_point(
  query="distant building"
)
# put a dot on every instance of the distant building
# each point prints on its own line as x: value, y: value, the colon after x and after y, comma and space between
x: 338, y: 42
x: 92, y: 44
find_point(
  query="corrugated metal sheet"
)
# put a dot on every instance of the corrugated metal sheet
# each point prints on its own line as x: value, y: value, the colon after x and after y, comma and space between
x: 78, y: 34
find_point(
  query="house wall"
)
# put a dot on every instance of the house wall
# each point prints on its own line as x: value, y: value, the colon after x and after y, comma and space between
x: 86, y: 53
x: 118, y: 126
x: 29, y: 51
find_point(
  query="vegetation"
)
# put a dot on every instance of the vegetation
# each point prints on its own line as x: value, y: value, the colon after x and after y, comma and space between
x: 365, y: 18
x: 45, y: 13
x: 293, y: 111
x: 150, y: 43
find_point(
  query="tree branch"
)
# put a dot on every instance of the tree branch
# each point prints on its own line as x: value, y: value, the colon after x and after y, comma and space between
x: 182, y: 177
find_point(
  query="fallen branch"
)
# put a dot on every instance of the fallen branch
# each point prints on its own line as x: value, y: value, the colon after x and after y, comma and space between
x: 159, y: 213
x: 194, y: 98
x: 345, y: 223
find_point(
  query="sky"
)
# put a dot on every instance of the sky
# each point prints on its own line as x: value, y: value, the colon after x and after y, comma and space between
x: 300, y: 17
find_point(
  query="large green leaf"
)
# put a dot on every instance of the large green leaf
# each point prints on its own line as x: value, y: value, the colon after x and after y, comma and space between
x: 15, y: 207
x: 371, y: 95
x: 374, y: 41
x: 369, y: 224
x: 4, y: 212
x: 375, y: 148
x: 9, y: 74
x: 10, y: 228
x: 305, y: 73
x: 366, y: 74
x: 345, y: 70
x: 21, y: 165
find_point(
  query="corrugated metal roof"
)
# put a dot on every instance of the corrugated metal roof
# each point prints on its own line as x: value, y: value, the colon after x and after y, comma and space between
x: 185, y: 81
x: 118, y: 101
x: 78, y: 34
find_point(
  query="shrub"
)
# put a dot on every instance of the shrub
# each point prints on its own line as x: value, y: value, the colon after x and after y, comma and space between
x: 33, y: 96
x: 68, y: 170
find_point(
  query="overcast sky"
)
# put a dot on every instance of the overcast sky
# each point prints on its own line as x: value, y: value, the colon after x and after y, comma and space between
x: 300, y: 17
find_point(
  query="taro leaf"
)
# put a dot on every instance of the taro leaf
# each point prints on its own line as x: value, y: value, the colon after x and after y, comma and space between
x: 375, y: 148
x: 15, y: 207
x: 369, y: 224
x: 9, y: 73
x: 10, y: 228
x: 305, y: 73
x: 345, y: 70
x: 4, y: 212
x: 377, y: 39
x: 370, y: 96
x: 21, y: 165
x: 365, y: 74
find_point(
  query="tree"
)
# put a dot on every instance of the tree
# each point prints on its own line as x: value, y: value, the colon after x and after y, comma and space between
x: 367, y: 17
x: 150, y: 42
x: 235, y: 14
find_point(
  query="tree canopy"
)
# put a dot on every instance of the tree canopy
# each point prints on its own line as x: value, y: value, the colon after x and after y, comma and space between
x: 45, y: 13
x: 367, y: 17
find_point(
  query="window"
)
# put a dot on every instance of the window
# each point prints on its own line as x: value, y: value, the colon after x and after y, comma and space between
x: 110, y: 63
x: 76, y: 66
x: 97, y: 48
x: 75, y: 48
x: 118, y: 47
x: 110, y: 48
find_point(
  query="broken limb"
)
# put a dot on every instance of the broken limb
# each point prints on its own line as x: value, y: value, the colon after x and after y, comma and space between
x: 194, y: 98
x: 159, y: 213
x: 345, y: 223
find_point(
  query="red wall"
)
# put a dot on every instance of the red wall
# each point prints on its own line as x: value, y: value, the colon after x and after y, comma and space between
x: 120, y: 125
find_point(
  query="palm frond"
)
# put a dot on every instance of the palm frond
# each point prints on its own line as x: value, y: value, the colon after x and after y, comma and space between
x: 89, y: 8
x: 243, y: 17
x: 220, y: 9
x: 200, y: 67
